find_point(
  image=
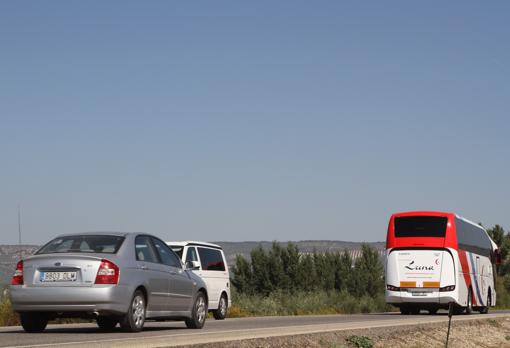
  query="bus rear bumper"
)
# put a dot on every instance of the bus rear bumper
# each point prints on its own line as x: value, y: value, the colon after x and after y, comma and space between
x: 415, y: 297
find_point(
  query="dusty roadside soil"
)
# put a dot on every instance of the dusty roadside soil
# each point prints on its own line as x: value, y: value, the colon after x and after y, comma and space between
x: 476, y: 333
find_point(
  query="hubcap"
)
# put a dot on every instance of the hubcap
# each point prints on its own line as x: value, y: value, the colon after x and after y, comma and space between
x: 223, y: 306
x: 138, y: 311
x: 200, y: 309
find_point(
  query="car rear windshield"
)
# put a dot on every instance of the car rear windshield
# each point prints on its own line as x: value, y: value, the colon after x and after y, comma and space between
x: 83, y: 244
x: 420, y: 226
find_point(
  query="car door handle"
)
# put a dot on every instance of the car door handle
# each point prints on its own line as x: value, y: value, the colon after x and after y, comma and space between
x: 143, y: 267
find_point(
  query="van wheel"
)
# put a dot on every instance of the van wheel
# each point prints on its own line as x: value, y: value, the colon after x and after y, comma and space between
x: 33, y: 322
x: 135, y: 317
x: 469, y: 306
x: 198, y: 313
x: 106, y: 323
x: 221, y: 312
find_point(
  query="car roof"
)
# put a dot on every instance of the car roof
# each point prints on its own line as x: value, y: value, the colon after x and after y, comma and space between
x: 101, y: 233
x: 196, y: 243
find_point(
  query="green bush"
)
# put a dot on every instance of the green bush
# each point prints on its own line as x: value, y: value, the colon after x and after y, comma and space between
x: 304, y: 303
x: 7, y: 316
x: 360, y: 341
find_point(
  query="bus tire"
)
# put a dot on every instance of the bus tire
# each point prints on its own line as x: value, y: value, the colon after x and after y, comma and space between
x: 469, y: 304
x: 405, y: 310
x: 415, y: 310
x: 433, y: 310
x: 485, y: 309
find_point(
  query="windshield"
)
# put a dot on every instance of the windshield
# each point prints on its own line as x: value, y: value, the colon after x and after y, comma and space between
x: 83, y: 244
x: 420, y: 226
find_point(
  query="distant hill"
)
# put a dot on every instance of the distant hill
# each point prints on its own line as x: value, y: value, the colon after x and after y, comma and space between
x: 9, y: 254
x: 232, y: 249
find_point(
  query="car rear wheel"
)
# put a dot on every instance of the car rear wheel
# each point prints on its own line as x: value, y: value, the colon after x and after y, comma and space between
x: 106, y: 323
x: 134, y: 319
x: 33, y: 322
x: 198, y: 313
x: 221, y: 312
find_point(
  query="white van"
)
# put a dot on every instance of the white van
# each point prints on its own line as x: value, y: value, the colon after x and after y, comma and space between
x: 208, y: 261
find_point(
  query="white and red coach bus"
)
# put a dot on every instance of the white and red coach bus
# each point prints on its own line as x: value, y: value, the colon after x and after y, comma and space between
x: 434, y: 258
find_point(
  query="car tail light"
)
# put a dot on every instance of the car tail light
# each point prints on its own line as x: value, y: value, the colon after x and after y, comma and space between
x: 447, y: 288
x: 17, y: 277
x: 108, y: 273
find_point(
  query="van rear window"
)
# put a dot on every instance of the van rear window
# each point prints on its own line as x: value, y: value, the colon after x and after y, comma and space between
x: 420, y: 226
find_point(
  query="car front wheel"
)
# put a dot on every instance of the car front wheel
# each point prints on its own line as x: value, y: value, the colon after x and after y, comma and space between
x: 198, y: 312
x: 33, y: 322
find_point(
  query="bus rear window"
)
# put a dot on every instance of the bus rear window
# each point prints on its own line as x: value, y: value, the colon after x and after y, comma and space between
x: 420, y: 226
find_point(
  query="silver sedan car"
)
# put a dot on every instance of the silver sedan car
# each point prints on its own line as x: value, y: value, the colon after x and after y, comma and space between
x: 117, y: 278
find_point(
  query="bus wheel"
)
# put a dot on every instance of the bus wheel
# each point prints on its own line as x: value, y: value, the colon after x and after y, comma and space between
x: 404, y: 310
x: 415, y: 310
x: 485, y: 309
x: 469, y: 306
x: 433, y: 310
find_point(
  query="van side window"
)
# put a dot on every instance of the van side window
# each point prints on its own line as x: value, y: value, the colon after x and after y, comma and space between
x: 211, y: 259
x: 191, y: 254
x: 144, y: 250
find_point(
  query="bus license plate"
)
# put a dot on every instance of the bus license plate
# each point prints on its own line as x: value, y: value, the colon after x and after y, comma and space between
x: 419, y: 293
x: 58, y: 276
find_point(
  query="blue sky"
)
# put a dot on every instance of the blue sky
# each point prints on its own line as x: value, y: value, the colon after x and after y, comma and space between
x: 251, y: 120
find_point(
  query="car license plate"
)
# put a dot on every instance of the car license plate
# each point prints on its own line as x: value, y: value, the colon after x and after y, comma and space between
x: 58, y: 276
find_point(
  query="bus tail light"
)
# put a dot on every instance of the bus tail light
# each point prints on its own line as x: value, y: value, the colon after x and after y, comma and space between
x: 108, y: 273
x: 447, y: 288
x: 17, y: 277
x: 392, y: 288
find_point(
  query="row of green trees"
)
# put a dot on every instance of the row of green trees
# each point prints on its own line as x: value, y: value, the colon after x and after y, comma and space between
x: 502, y: 239
x: 285, y: 269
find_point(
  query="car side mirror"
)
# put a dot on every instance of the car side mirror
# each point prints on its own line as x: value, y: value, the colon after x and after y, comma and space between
x: 498, y: 257
x: 192, y: 265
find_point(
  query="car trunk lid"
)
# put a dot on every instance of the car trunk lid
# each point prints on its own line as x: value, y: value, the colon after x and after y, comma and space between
x: 57, y: 270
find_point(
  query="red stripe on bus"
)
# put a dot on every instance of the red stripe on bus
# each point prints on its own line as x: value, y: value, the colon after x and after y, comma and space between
x: 464, y: 264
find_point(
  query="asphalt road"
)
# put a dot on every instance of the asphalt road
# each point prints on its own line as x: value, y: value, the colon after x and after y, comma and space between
x: 159, y: 334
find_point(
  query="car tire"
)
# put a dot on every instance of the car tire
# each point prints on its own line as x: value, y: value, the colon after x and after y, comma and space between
x: 221, y: 312
x: 134, y: 319
x: 106, y: 323
x: 33, y: 322
x: 469, y: 305
x: 198, y: 312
